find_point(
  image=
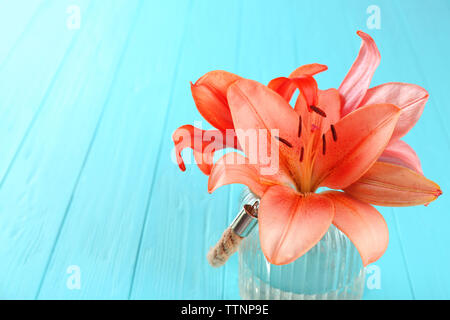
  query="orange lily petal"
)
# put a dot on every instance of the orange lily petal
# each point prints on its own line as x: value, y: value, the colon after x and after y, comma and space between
x: 204, y: 143
x: 357, y: 81
x: 361, y: 138
x: 291, y: 223
x: 283, y: 87
x: 235, y: 168
x: 362, y: 224
x: 399, y: 152
x: 256, y: 107
x: 204, y: 161
x: 308, y: 70
x: 315, y: 125
x: 210, y: 96
x: 329, y: 102
x: 390, y: 185
x: 286, y: 87
x: 409, y: 97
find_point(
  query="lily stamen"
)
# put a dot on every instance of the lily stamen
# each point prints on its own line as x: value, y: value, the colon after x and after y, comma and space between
x: 287, y: 143
x: 299, y: 126
x: 319, y: 111
x: 333, y: 131
x: 324, y: 144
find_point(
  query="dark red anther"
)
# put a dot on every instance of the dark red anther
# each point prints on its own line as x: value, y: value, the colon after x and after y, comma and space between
x: 324, y: 144
x: 319, y: 111
x: 301, y: 154
x: 284, y: 141
x: 333, y: 131
x: 299, y: 126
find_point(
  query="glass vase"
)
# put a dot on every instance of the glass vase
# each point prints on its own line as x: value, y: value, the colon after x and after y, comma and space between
x: 330, y: 270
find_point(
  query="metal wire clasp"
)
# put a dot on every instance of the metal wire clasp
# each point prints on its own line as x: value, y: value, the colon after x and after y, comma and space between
x: 246, y: 220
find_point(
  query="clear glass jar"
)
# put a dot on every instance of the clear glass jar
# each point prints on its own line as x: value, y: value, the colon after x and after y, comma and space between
x: 330, y: 270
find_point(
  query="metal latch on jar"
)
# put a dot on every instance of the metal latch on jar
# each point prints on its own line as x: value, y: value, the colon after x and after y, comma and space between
x: 246, y: 220
x: 228, y: 244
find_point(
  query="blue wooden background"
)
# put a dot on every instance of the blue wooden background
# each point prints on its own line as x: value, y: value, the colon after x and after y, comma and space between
x: 86, y: 117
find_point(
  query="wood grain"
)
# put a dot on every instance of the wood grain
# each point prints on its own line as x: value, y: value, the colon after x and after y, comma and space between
x: 86, y: 117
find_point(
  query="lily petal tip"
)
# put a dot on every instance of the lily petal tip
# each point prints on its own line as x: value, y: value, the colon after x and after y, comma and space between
x: 277, y: 260
x: 324, y: 66
x: 211, y: 187
x: 194, y: 86
x: 366, y: 262
x: 362, y: 34
x: 438, y: 193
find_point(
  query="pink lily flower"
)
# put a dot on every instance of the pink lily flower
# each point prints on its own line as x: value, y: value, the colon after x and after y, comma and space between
x: 346, y: 139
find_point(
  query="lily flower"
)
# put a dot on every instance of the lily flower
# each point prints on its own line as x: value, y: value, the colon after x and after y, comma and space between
x: 210, y: 96
x: 346, y: 139
x: 209, y: 93
x: 355, y: 93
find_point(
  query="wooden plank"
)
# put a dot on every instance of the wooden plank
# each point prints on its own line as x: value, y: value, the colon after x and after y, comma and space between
x: 393, y: 266
x: 409, y: 268
x: 16, y: 18
x: 86, y: 176
x: 40, y: 183
x: 28, y: 75
x: 182, y: 220
x: 425, y: 62
x: 102, y: 230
